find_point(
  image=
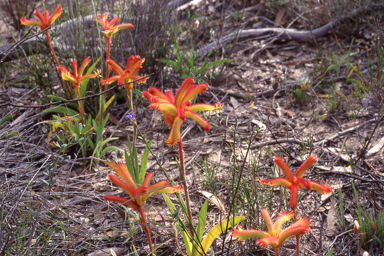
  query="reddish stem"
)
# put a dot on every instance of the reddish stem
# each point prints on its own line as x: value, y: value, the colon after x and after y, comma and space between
x: 186, y: 191
x: 277, y: 251
x: 144, y: 224
x: 298, y: 245
x: 107, y: 69
x: 297, y: 239
x: 80, y: 102
x: 63, y: 83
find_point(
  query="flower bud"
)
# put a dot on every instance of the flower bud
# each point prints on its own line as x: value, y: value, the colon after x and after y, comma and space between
x: 197, y: 23
x: 366, y: 253
x: 357, y: 227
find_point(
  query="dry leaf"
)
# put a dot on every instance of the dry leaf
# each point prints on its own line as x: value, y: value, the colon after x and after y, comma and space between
x: 270, y: 56
x: 376, y: 148
x: 213, y: 199
x: 158, y: 218
x: 337, y: 152
x: 349, y: 217
x: 234, y: 102
x: 217, y: 156
x: 335, y: 188
x: 290, y: 113
x: 279, y: 16
x: 341, y: 169
x: 259, y: 124
x: 331, y: 219
x: 108, y: 252
x: 206, y: 138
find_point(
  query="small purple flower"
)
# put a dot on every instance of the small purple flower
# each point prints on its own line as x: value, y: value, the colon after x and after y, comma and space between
x: 131, y: 115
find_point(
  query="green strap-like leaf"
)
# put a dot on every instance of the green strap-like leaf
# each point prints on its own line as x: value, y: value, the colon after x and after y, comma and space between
x: 217, y: 62
x: 129, y: 164
x: 62, y: 110
x: 109, y: 148
x: 136, y: 159
x: 5, y: 119
x: 169, y: 62
x: 84, y: 84
x: 57, y: 98
x: 215, y: 231
x: 200, y: 228
x: 104, y: 106
x: 144, y: 161
x: 187, y: 241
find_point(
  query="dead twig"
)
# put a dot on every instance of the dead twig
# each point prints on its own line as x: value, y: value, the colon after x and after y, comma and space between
x: 344, y: 132
x: 306, y: 36
x: 68, y: 101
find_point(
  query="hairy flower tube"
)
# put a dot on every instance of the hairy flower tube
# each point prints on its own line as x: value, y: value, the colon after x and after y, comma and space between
x: 137, y: 195
x: 44, y: 20
x: 77, y: 77
x: 128, y: 75
x: 275, y: 237
x: 110, y: 27
x: 176, y: 108
x: 295, y: 182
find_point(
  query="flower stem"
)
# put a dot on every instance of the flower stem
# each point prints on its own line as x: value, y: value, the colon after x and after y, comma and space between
x: 277, y: 251
x: 144, y: 224
x: 63, y: 83
x: 107, y: 71
x: 134, y: 127
x: 186, y: 191
x: 298, y: 245
x: 80, y: 102
x: 297, y: 239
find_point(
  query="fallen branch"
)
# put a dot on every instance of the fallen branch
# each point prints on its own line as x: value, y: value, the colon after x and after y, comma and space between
x: 277, y: 141
x: 306, y: 36
x: 344, y: 132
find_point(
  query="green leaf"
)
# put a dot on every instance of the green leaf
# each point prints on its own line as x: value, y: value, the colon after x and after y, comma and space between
x: 200, y: 228
x: 215, y: 231
x: 350, y: 80
x: 218, y: 62
x: 105, y: 107
x: 62, y: 110
x: 84, y: 84
x: 187, y: 241
x: 170, y: 204
x: 110, y: 148
x: 334, y: 67
x: 87, y: 129
x: 57, y: 98
x: 129, y: 164
x: 134, y: 249
x: 5, y: 119
x: 169, y: 62
x: 330, y: 252
x: 136, y: 159
x: 102, y: 143
x: 91, y: 144
x: 137, y: 92
x: 144, y: 161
